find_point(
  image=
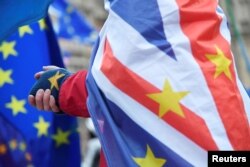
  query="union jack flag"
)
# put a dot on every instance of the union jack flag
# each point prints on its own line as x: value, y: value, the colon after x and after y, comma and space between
x: 163, y: 87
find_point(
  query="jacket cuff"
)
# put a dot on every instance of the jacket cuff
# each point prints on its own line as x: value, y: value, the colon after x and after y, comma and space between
x: 73, y: 95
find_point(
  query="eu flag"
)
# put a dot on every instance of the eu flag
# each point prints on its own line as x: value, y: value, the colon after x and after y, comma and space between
x: 27, y: 136
x: 15, y: 13
x: 72, y: 24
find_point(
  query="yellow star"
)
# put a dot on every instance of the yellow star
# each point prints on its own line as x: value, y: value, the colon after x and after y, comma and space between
x: 53, y: 80
x: 24, y: 29
x: 17, y: 106
x: 61, y: 137
x: 42, y: 24
x: 22, y: 146
x: 168, y: 100
x: 42, y: 127
x: 13, y: 144
x: 150, y: 160
x: 3, y: 149
x: 221, y: 62
x: 28, y: 156
x: 5, y: 77
x: 8, y: 48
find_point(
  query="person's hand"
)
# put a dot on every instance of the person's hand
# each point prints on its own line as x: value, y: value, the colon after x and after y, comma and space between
x: 43, y: 100
x: 45, y: 68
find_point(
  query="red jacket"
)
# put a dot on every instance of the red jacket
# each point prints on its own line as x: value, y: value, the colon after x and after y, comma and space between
x: 72, y: 99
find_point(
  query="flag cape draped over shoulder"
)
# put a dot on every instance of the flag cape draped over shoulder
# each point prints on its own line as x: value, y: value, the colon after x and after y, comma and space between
x: 163, y: 87
x: 15, y: 13
x: 29, y: 137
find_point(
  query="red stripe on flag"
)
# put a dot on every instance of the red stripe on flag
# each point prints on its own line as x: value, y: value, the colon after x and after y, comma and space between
x: 201, y: 25
x: 136, y: 87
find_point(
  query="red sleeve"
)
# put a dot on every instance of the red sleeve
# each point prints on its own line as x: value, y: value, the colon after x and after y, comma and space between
x: 73, y: 95
x: 103, y: 162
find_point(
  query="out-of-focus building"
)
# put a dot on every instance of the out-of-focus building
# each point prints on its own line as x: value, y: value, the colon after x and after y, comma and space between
x: 93, y: 9
x: 240, y: 11
x: 242, y: 15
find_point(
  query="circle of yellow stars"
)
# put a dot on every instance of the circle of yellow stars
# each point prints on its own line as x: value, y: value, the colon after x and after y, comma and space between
x: 17, y: 106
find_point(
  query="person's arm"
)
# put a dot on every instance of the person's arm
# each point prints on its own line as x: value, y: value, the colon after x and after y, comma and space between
x: 71, y: 97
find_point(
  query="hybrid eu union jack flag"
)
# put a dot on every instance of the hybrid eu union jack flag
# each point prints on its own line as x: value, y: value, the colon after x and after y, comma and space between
x: 163, y: 87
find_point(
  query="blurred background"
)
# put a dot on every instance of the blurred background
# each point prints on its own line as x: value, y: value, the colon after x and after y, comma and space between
x: 76, y: 53
x: 239, y: 22
x: 238, y: 14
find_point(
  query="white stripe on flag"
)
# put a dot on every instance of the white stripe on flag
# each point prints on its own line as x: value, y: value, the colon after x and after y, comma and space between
x: 204, y: 105
x: 246, y: 100
x: 167, y: 135
x: 155, y: 67
x: 224, y: 27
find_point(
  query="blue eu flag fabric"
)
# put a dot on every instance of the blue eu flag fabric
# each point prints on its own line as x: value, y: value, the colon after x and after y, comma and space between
x: 15, y: 13
x: 72, y: 24
x: 29, y: 137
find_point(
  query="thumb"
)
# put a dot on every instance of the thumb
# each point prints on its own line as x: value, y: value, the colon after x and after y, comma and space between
x: 45, y: 68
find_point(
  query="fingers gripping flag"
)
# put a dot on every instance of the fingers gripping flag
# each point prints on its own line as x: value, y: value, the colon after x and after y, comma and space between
x: 163, y: 89
x: 15, y: 13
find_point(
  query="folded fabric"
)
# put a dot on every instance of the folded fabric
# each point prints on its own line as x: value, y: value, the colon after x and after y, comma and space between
x: 52, y: 79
